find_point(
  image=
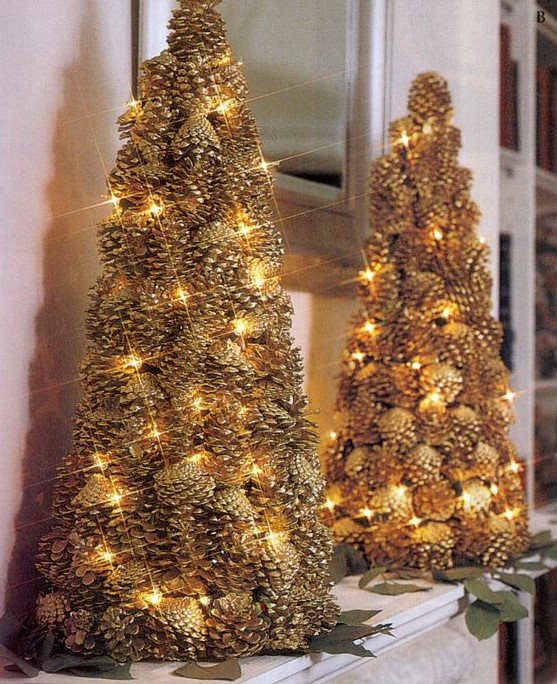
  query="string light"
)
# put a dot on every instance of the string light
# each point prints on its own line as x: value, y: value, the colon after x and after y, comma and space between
x: 509, y: 396
x: 437, y: 234
x: 256, y: 470
x: 333, y: 435
x: 132, y: 361
x: 358, y: 356
x: 514, y: 467
x: 197, y: 404
x: 330, y: 504
x: 415, y: 521
x: 196, y: 458
x: 366, y: 512
x: 241, y: 326
x: 100, y: 461
x: 369, y: 327
x: 180, y: 294
x: 115, y: 200
x: 400, y: 490
x: 116, y: 498
x: 153, y: 597
x: 404, y: 139
x: 483, y: 240
x: 225, y: 106
x: 154, y: 208
x: 155, y: 432
x: 415, y: 365
x: 494, y: 489
x: 509, y: 514
x: 105, y: 555
x: 204, y: 600
x: 368, y: 275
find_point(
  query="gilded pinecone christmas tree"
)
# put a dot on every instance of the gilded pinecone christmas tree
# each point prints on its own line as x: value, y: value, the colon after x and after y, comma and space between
x: 185, y: 514
x: 421, y: 471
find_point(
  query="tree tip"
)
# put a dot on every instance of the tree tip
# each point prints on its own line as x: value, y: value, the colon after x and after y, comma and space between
x: 429, y: 97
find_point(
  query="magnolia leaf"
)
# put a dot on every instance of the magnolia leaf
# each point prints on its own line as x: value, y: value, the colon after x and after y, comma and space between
x: 522, y: 582
x: 482, y: 619
x: 342, y: 632
x: 550, y: 551
x: 409, y: 573
x: 338, y: 568
x: 356, y: 561
x: 395, y: 588
x: 370, y: 575
x: 538, y: 541
x: 345, y: 647
x: 10, y: 627
x: 356, y: 617
x: 530, y: 565
x: 228, y: 670
x: 481, y: 590
x: 458, y: 574
x: 102, y: 667
x: 21, y: 664
x: 511, y: 610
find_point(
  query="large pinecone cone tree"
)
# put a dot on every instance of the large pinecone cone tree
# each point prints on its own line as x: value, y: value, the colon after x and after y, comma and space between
x: 185, y: 518
x: 421, y: 470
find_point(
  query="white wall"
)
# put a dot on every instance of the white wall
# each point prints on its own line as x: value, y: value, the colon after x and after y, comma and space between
x: 65, y: 74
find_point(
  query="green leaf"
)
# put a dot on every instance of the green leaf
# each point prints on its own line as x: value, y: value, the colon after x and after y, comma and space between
x: 102, y: 667
x: 370, y: 575
x: 10, y: 627
x: 345, y: 647
x: 482, y: 619
x: 480, y: 589
x: 522, y: 582
x: 458, y: 574
x: 395, y: 588
x: 23, y: 665
x: 409, y: 573
x: 538, y: 541
x: 338, y: 568
x: 550, y: 552
x: 356, y: 617
x: 530, y: 565
x: 511, y: 609
x: 356, y: 562
x: 228, y: 670
x: 342, y: 632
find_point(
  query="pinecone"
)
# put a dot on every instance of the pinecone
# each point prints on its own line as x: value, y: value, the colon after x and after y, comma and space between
x: 485, y: 460
x: 475, y: 499
x: 356, y: 461
x: 196, y: 139
x: 286, y: 632
x: 429, y: 98
x: 495, y: 546
x: 97, y: 492
x: 442, y: 378
x: 184, y: 617
x: 398, y: 425
x: 394, y: 501
x: 184, y: 482
x: 52, y: 609
x: 121, y: 629
x: 433, y: 546
x: 235, y: 627
x: 435, y: 501
x: 421, y: 464
x: 233, y: 502
x: 81, y: 632
x: 349, y: 531
x: 282, y: 564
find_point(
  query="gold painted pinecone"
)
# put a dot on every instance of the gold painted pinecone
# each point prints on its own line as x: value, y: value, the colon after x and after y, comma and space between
x: 196, y: 139
x: 485, y: 460
x: 184, y: 617
x: 233, y: 502
x: 52, y: 609
x: 394, y: 501
x: 475, y: 498
x: 96, y: 492
x: 398, y: 425
x: 127, y: 578
x: 81, y: 632
x: 184, y: 482
x: 349, y: 531
x: 422, y: 464
x: 235, y: 627
x: 495, y: 546
x: 282, y: 564
x: 433, y: 546
x: 429, y: 97
x: 286, y: 632
x: 442, y: 378
x: 356, y: 461
x: 121, y: 630
x: 434, y: 501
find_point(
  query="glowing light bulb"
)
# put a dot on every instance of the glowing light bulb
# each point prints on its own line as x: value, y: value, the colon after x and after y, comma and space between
x: 225, y: 106
x: 240, y: 326
x: 369, y: 327
x: 330, y: 504
x: 99, y: 461
x: 197, y: 404
x: 180, y: 294
x: 509, y: 514
x: 196, y: 458
x: 368, y: 275
x: 274, y: 536
x: 115, y: 200
x: 446, y: 312
x: 204, y: 600
x: 358, y: 356
x: 155, y: 432
x: 106, y: 555
x: 514, y: 467
x: 494, y: 489
x: 482, y: 240
x: 466, y: 497
x: 132, y: 361
x: 264, y: 165
x: 435, y: 397
x: 256, y: 470
x: 509, y: 396
x: 367, y: 512
x: 133, y: 103
x: 333, y: 435
x: 415, y: 521
x: 415, y: 365
x: 116, y: 498
x: 153, y: 597
x: 427, y: 128
x: 400, y: 490
x: 154, y: 208
x: 404, y: 139
x: 437, y: 234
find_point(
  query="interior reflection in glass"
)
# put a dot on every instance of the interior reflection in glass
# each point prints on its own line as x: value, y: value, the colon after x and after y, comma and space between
x: 293, y: 57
